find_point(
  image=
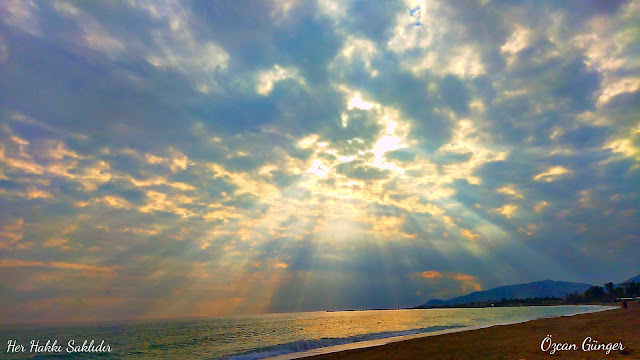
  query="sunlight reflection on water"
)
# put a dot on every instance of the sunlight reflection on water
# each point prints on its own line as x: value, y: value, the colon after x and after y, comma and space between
x: 259, y: 336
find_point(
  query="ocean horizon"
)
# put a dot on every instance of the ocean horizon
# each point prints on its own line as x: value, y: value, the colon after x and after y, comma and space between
x: 286, y: 335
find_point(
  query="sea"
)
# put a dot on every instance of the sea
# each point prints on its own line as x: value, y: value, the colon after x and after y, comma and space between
x: 285, y: 336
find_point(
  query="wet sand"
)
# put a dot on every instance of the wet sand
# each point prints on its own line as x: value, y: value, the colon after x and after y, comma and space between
x: 519, y: 341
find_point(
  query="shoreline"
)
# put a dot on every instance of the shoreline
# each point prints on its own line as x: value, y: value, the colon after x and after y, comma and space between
x: 403, y: 347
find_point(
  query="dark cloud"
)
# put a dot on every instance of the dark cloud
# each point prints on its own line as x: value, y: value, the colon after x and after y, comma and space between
x: 455, y: 94
x: 357, y: 170
x: 401, y: 155
x: 372, y: 20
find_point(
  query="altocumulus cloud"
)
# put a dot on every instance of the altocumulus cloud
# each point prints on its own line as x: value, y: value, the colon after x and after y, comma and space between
x: 203, y: 158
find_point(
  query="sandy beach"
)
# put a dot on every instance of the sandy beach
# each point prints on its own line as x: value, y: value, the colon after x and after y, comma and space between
x: 521, y: 341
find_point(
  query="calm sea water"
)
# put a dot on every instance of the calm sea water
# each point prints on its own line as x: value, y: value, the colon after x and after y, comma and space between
x: 260, y: 336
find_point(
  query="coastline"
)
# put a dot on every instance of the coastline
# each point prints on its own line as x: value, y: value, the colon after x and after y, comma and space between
x: 520, y: 340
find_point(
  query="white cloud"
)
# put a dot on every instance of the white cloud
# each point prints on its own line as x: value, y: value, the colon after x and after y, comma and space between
x: 281, y: 8
x: 426, y: 40
x: 516, y: 42
x: 267, y: 79
x: 174, y: 44
x: 357, y: 103
x: 413, y: 30
x: 101, y: 41
x: 617, y: 86
x: 22, y: 14
x: 207, y: 57
x: 356, y: 49
x: 334, y: 9
x: 465, y: 61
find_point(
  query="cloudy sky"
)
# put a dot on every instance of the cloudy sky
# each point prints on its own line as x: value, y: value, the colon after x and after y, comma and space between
x: 163, y: 158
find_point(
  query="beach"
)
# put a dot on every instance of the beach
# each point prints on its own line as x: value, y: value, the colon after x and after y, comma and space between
x: 581, y: 334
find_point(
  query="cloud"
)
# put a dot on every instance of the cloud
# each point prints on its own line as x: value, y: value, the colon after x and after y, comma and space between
x: 469, y: 234
x: 551, y: 174
x: 450, y: 282
x: 508, y: 210
x: 12, y: 233
x: 23, y: 15
x: 267, y: 79
x: 14, y: 263
x: 291, y: 156
x: 511, y: 191
x: 357, y: 170
x: 431, y: 274
x: 540, y: 206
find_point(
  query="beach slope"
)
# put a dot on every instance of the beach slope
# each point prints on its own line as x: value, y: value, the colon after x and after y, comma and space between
x: 519, y: 341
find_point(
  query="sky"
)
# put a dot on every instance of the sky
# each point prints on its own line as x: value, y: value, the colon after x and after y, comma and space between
x: 203, y: 158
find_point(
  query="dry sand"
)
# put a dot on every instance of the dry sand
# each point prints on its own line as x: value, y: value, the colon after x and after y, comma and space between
x: 519, y: 341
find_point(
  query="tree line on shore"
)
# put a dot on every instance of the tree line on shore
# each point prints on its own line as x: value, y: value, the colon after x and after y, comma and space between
x: 608, y: 293
x: 537, y: 301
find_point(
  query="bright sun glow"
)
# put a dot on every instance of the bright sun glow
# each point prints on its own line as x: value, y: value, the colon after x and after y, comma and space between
x: 319, y: 169
x: 358, y: 103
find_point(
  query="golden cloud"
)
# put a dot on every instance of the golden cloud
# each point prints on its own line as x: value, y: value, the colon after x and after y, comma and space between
x: 511, y: 191
x: 17, y: 263
x: 466, y: 282
x: 469, y: 234
x: 551, y: 174
x: 431, y: 274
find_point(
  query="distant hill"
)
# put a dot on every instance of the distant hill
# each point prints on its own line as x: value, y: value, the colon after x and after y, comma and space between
x: 635, y: 278
x: 435, y: 302
x: 546, y: 288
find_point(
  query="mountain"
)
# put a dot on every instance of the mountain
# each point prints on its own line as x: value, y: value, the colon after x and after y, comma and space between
x: 546, y: 288
x: 435, y: 302
x: 635, y: 278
